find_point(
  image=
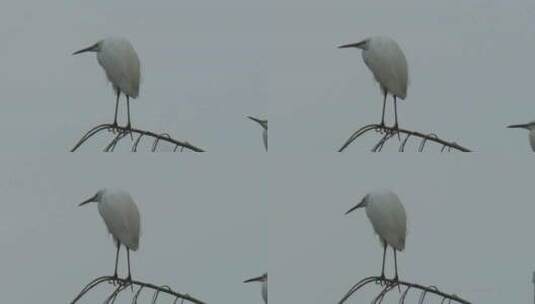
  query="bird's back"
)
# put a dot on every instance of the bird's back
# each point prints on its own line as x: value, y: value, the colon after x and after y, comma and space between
x: 121, y: 216
x: 388, y: 218
x: 388, y: 65
x: 121, y: 64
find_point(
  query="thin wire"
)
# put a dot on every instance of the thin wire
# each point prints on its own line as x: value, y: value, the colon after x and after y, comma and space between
x: 123, y: 131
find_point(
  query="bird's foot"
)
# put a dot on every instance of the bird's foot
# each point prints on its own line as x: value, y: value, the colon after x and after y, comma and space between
x: 114, y: 280
x: 395, y: 281
x: 382, y: 280
x: 114, y: 128
x: 129, y: 130
x: 128, y: 281
x: 382, y: 129
x: 396, y: 130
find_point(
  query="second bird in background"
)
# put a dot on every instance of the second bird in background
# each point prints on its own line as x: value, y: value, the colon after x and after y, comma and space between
x: 264, y: 124
x: 531, y: 128
x: 263, y: 279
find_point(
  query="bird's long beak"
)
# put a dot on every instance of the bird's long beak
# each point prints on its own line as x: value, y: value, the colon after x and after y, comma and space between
x: 261, y: 122
x: 523, y: 126
x: 92, y: 48
x: 359, y: 205
x: 89, y: 200
x: 355, y: 45
x: 256, y: 279
x: 254, y: 119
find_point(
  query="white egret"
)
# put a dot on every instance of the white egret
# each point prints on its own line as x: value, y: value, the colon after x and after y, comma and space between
x: 386, y: 61
x: 387, y: 215
x: 120, y: 62
x: 531, y: 128
x: 264, y: 124
x: 121, y: 216
x: 263, y: 279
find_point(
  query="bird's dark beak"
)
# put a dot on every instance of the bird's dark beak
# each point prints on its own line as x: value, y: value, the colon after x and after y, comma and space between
x: 518, y: 126
x: 359, y: 205
x: 256, y: 279
x: 355, y: 45
x: 92, y: 48
x: 254, y: 119
x: 89, y: 200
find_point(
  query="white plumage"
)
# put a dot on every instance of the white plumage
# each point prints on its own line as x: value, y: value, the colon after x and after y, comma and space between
x: 121, y: 64
x: 121, y: 216
x: 388, y: 218
x: 386, y: 61
x: 531, y: 135
x: 387, y: 215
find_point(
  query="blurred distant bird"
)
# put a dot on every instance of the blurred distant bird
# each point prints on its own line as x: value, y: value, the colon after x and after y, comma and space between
x: 263, y: 279
x: 121, y: 216
x: 264, y: 124
x: 531, y: 128
x: 120, y: 62
x: 384, y: 58
x: 387, y: 215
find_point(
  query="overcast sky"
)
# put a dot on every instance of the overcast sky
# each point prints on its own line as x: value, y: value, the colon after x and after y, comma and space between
x: 204, y: 226
x: 203, y: 70
x: 207, y: 221
x: 470, y: 227
x: 469, y: 68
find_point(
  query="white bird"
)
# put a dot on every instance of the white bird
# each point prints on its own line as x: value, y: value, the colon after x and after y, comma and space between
x: 384, y: 58
x: 121, y: 216
x: 387, y: 215
x: 531, y: 128
x: 264, y: 124
x: 120, y: 62
x: 263, y: 279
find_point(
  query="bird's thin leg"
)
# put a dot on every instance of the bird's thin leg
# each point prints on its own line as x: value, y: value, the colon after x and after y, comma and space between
x: 396, y: 278
x: 116, y: 260
x: 383, y: 269
x: 129, y: 126
x: 384, y: 106
x: 116, y: 108
x: 128, y: 258
x: 129, y: 273
x: 396, y: 127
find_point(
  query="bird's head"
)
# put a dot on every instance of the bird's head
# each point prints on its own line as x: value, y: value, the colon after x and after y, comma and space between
x: 95, y: 198
x: 363, y: 203
x: 262, y: 278
x: 261, y: 122
x: 527, y: 126
x: 93, y: 48
x: 363, y: 45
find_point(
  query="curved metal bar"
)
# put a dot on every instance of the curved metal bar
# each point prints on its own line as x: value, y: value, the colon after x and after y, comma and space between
x: 123, y: 284
x: 390, y: 130
x: 123, y: 131
x: 391, y: 284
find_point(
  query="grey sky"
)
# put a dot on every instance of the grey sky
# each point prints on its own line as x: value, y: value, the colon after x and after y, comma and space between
x: 204, y: 226
x: 470, y: 226
x: 202, y: 71
x: 205, y: 66
x: 469, y: 65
